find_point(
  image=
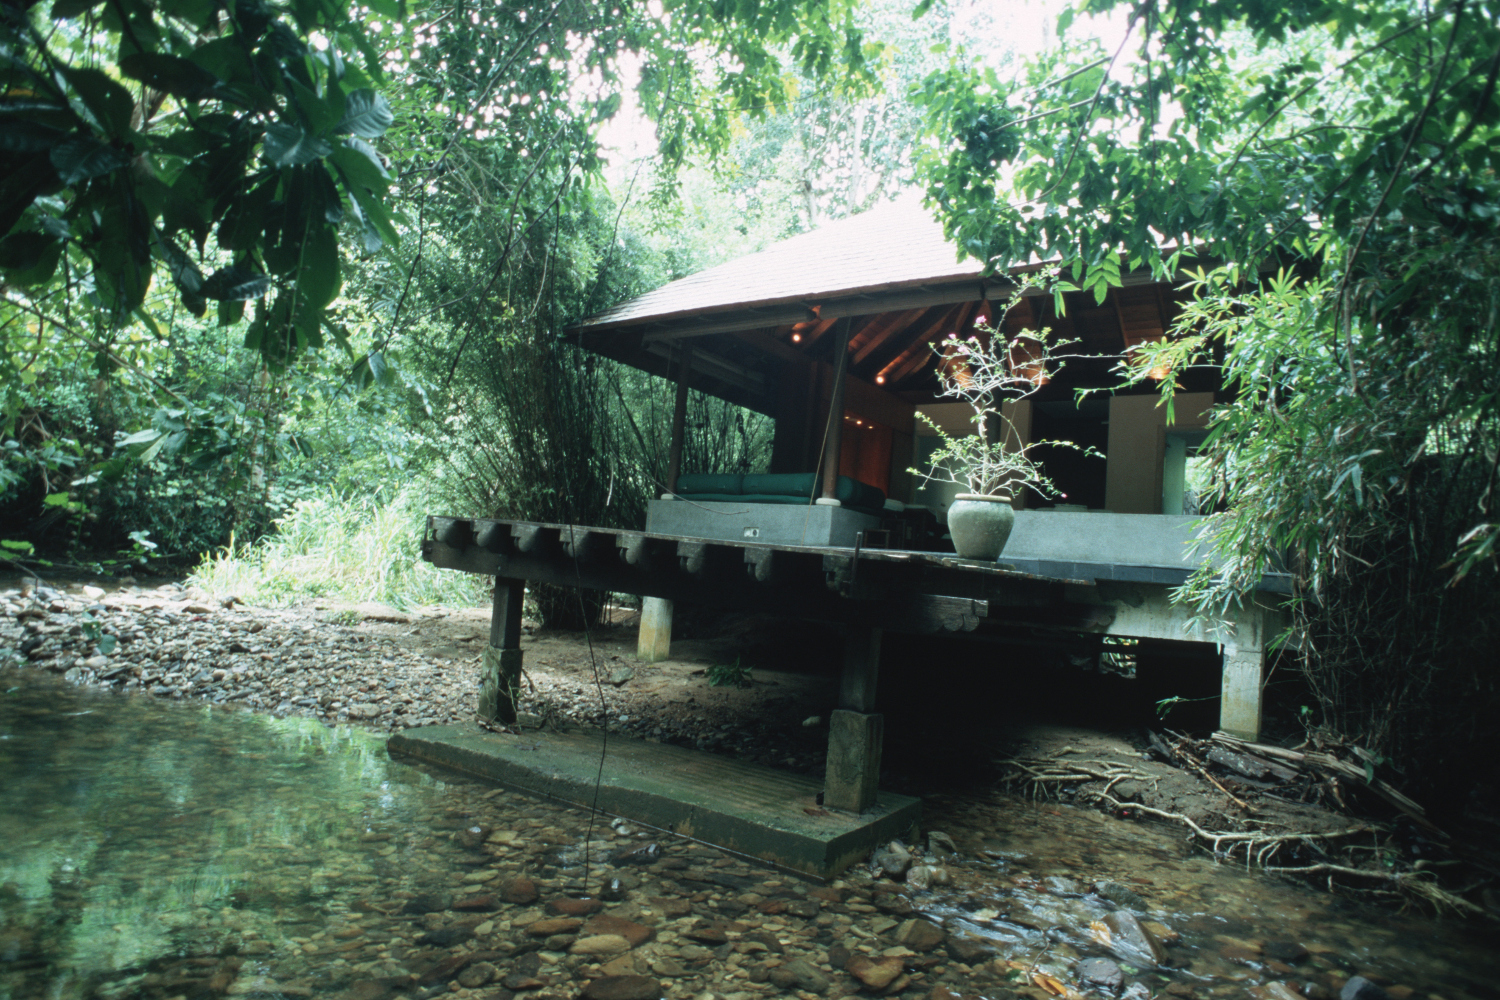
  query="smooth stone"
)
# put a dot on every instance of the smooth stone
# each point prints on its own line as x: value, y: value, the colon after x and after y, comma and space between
x: 708, y: 933
x: 554, y: 925
x: 920, y: 935
x: 893, y: 859
x: 1133, y: 942
x: 875, y: 973
x: 1285, y: 951
x: 473, y: 836
x: 446, y: 937
x: 940, y: 844
x: 428, y: 902
x: 1100, y: 972
x: 622, y: 988
x: 477, y: 975
x: 802, y: 975
x: 568, y: 907
x: 606, y: 923
x: 599, y: 944
x: 1360, y: 988
x: 969, y: 948
x: 520, y: 891
x: 1120, y: 895
x: 671, y: 908
x: 477, y: 904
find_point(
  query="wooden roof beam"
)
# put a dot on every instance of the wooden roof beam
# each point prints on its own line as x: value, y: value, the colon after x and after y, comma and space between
x: 787, y: 315
x: 920, y: 352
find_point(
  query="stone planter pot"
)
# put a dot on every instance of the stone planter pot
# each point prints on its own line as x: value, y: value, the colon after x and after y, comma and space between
x: 980, y: 525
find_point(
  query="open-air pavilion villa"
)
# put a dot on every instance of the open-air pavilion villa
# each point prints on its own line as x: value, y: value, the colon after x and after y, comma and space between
x: 837, y: 335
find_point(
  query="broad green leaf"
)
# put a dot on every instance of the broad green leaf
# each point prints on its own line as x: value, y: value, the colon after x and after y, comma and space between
x: 195, y: 12
x: 175, y: 75
x: 367, y: 114
x: 29, y: 258
x: 18, y: 135
x: 140, y: 437
x: 19, y: 250
x: 318, y: 278
x: 361, y: 165
x: 235, y: 283
x: 81, y: 157
x: 290, y: 146
x: 317, y: 111
x: 110, y: 103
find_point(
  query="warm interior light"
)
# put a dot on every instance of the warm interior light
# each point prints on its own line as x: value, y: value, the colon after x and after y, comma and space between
x: 880, y: 380
x: 796, y: 338
x: 1027, y: 359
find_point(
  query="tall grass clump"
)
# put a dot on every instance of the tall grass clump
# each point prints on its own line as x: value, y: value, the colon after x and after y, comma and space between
x: 344, y: 548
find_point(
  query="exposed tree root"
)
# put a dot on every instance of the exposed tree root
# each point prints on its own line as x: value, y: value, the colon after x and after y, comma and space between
x: 1264, y: 844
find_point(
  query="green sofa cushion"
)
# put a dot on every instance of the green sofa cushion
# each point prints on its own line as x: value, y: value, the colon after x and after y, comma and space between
x: 798, y: 487
x: 721, y: 484
x: 793, y: 484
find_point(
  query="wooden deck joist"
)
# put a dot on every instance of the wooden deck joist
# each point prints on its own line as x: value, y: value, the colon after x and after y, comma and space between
x: 916, y: 592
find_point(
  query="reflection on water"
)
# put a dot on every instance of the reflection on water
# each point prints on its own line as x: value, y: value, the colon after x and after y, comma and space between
x: 133, y: 830
x: 151, y: 851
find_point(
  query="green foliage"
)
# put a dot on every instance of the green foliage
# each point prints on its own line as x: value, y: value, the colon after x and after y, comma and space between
x: 1246, y: 126
x: 1353, y: 146
x: 350, y: 549
x: 241, y: 130
x: 729, y: 674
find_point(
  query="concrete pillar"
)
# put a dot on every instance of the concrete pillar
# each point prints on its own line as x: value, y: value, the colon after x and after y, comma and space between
x: 655, y: 643
x: 500, y: 672
x: 854, y: 745
x: 1244, y: 669
x: 855, y: 733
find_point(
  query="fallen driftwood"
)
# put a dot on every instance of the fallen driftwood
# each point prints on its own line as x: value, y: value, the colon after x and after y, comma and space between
x: 1260, y: 784
x: 1332, y: 765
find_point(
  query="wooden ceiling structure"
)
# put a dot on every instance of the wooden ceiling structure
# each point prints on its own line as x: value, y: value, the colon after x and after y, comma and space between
x: 756, y: 321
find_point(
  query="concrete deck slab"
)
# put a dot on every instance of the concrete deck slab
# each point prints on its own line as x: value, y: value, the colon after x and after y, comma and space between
x: 753, y: 810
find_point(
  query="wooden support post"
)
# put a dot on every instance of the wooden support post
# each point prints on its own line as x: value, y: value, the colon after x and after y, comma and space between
x: 861, y: 669
x: 855, y: 733
x: 1244, y: 669
x: 679, y: 419
x: 833, y: 438
x: 500, y: 677
x: 655, y: 643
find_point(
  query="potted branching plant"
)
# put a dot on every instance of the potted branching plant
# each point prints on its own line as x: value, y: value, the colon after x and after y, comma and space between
x: 985, y: 371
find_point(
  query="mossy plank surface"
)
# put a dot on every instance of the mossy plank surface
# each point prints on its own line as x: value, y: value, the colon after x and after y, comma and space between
x: 753, y: 810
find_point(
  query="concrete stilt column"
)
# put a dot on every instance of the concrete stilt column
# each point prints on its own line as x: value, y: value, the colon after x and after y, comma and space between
x: 655, y: 642
x: 500, y: 672
x: 855, y: 733
x: 854, y: 743
x: 1244, y: 671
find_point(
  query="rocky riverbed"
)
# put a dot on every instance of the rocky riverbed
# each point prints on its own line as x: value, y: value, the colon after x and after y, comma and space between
x: 475, y: 892
x: 384, y: 670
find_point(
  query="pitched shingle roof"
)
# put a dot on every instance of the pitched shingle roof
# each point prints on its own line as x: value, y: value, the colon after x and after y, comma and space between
x: 893, y: 246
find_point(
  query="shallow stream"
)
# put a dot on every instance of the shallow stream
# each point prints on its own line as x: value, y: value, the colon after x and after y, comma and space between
x: 167, y: 851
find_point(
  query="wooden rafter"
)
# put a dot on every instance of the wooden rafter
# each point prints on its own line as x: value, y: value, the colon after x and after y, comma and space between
x: 918, y: 354
x: 879, y: 330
